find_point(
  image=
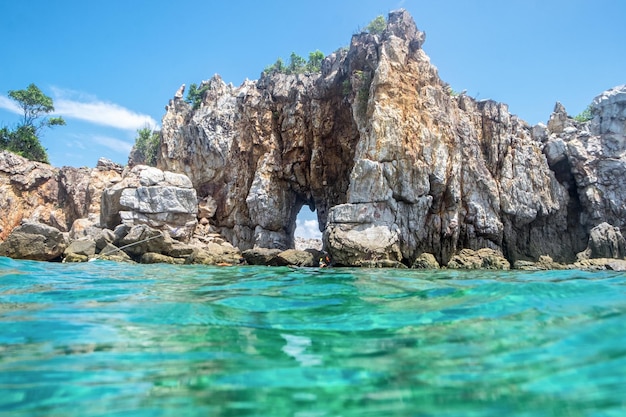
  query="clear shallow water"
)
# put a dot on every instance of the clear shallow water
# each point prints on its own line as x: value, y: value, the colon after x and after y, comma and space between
x: 107, y: 339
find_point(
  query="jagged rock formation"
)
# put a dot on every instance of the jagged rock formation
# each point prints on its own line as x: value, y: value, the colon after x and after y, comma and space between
x: 395, y: 164
x: 35, y: 192
x: 146, y: 195
x: 77, y: 214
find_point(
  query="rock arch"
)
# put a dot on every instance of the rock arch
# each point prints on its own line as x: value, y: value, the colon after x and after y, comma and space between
x: 394, y: 163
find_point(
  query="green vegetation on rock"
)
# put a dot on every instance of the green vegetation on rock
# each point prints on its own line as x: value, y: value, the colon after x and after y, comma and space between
x: 147, y: 145
x: 195, y: 94
x: 24, y: 140
x: 585, y: 115
x: 376, y: 26
x: 297, y: 64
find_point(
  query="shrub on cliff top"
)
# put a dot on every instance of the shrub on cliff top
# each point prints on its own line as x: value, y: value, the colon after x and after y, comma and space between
x: 584, y: 116
x: 297, y: 64
x: 195, y: 94
x: 147, y: 145
x: 376, y: 26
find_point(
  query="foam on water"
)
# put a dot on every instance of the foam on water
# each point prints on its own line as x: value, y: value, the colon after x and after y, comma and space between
x: 110, y: 339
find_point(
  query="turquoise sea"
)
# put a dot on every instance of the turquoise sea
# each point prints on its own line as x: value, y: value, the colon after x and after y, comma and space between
x: 109, y: 339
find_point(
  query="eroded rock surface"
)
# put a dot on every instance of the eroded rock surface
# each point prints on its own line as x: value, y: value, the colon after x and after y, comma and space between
x: 393, y: 162
x: 395, y: 165
x: 34, y: 241
x: 36, y: 192
x: 148, y: 196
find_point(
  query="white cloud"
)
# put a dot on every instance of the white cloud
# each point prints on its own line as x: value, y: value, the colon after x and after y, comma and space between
x: 10, y: 105
x: 308, y: 229
x: 103, y: 113
x: 82, y: 106
x: 117, y: 145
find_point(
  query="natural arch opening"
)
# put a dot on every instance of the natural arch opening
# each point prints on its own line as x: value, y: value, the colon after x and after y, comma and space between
x: 307, y: 230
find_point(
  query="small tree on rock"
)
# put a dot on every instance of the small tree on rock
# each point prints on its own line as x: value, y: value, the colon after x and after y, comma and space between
x: 146, y: 146
x: 35, y: 105
x: 377, y: 26
x: 315, y: 61
x: 24, y: 140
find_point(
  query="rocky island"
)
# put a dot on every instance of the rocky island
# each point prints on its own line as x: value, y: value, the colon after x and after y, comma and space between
x: 401, y: 171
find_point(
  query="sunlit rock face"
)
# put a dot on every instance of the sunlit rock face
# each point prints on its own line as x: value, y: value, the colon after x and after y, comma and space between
x: 33, y: 192
x: 148, y: 196
x: 590, y: 158
x: 394, y: 163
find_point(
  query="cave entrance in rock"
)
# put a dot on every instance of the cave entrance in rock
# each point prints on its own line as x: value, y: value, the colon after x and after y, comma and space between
x: 307, y: 225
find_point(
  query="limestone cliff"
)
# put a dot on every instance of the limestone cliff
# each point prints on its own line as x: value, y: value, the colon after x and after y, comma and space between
x: 394, y: 164
x: 36, y: 192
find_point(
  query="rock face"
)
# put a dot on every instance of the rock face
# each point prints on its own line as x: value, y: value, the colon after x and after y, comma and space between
x: 35, y: 192
x: 146, y: 195
x: 395, y: 165
x: 589, y: 159
x: 393, y: 162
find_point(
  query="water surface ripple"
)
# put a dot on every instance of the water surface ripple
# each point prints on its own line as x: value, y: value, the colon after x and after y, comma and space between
x: 109, y: 339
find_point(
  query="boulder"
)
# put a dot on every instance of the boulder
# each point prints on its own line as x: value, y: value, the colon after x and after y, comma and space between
x: 361, y: 232
x: 261, y: 256
x: 158, y: 258
x: 543, y: 264
x: 600, y: 264
x: 485, y: 258
x: 72, y: 257
x: 35, y: 241
x: 105, y: 237
x: 605, y: 241
x: 294, y: 257
x: 84, y: 247
x: 111, y: 252
x: 206, y: 256
x: 141, y: 239
x: 425, y: 261
x: 383, y: 263
x: 82, y: 228
x: 148, y: 196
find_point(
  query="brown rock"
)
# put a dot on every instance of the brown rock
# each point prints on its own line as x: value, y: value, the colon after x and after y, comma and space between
x: 261, y: 256
x: 35, y: 241
x: 481, y: 259
x: 425, y: 261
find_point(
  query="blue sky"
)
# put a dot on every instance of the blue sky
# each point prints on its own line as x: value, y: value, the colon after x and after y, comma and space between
x: 111, y: 66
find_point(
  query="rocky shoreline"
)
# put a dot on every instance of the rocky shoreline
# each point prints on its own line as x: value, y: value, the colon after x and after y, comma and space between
x: 401, y: 171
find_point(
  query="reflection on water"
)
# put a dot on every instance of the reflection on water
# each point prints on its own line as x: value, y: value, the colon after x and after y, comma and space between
x: 106, y: 339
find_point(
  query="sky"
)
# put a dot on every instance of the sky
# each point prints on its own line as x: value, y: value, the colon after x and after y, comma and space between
x: 112, y: 66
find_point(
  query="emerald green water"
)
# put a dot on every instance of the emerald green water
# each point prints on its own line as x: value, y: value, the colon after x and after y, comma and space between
x: 107, y: 339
